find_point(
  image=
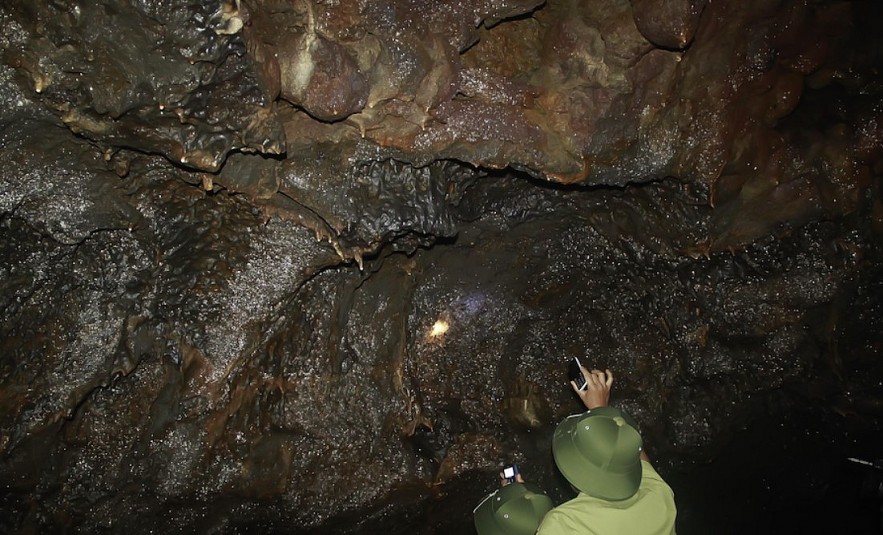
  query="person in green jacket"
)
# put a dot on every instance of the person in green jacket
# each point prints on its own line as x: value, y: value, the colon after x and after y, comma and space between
x: 600, y: 452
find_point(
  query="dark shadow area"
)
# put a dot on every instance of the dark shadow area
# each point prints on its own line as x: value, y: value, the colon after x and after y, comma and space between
x: 787, y: 473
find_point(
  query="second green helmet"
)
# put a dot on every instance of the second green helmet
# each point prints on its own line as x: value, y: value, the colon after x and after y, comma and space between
x: 516, y: 509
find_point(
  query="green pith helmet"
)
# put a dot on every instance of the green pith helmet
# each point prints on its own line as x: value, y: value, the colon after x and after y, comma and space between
x: 599, y: 452
x: 516, y: 509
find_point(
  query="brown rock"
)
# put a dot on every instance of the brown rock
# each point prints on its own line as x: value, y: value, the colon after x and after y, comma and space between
x: 668, y: 23
x: 321, y: 77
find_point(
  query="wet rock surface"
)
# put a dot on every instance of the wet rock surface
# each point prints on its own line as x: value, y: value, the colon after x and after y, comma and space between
x: 319, y: 266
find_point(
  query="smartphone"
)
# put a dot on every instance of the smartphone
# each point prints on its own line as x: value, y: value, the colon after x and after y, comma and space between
x: 576, y: 375
x: 510, y: 473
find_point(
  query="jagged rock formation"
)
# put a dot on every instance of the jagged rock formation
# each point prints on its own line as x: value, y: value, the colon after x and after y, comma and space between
x: 230, y: 227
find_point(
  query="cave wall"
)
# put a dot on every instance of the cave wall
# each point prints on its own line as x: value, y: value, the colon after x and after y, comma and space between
x: 228, y: 229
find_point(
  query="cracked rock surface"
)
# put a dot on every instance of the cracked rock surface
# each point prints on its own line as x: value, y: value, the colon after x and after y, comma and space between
x: 318, y: 266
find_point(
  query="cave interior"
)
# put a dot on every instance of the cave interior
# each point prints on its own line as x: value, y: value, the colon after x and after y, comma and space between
x: 319, y: 266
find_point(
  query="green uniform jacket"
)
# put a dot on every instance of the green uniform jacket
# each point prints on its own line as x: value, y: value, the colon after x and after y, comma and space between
x: 651, y: 511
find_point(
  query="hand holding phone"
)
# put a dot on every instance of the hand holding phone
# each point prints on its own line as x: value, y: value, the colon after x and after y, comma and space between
x: 593, y: 388
x: 576, y: 374
x: 510, y: 473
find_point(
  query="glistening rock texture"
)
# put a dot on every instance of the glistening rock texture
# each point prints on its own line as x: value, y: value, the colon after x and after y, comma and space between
x: 318, y: 265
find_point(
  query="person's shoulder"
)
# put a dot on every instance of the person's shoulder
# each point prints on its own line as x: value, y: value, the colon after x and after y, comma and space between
x: 575, y: 507
x: 572, y: 516
x: 555, y: 521
x: 649, y: 471
x: 651, y: 480
x: 567, y: 508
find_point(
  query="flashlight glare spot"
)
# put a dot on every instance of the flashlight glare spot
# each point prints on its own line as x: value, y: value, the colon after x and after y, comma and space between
x: 439, y: 328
